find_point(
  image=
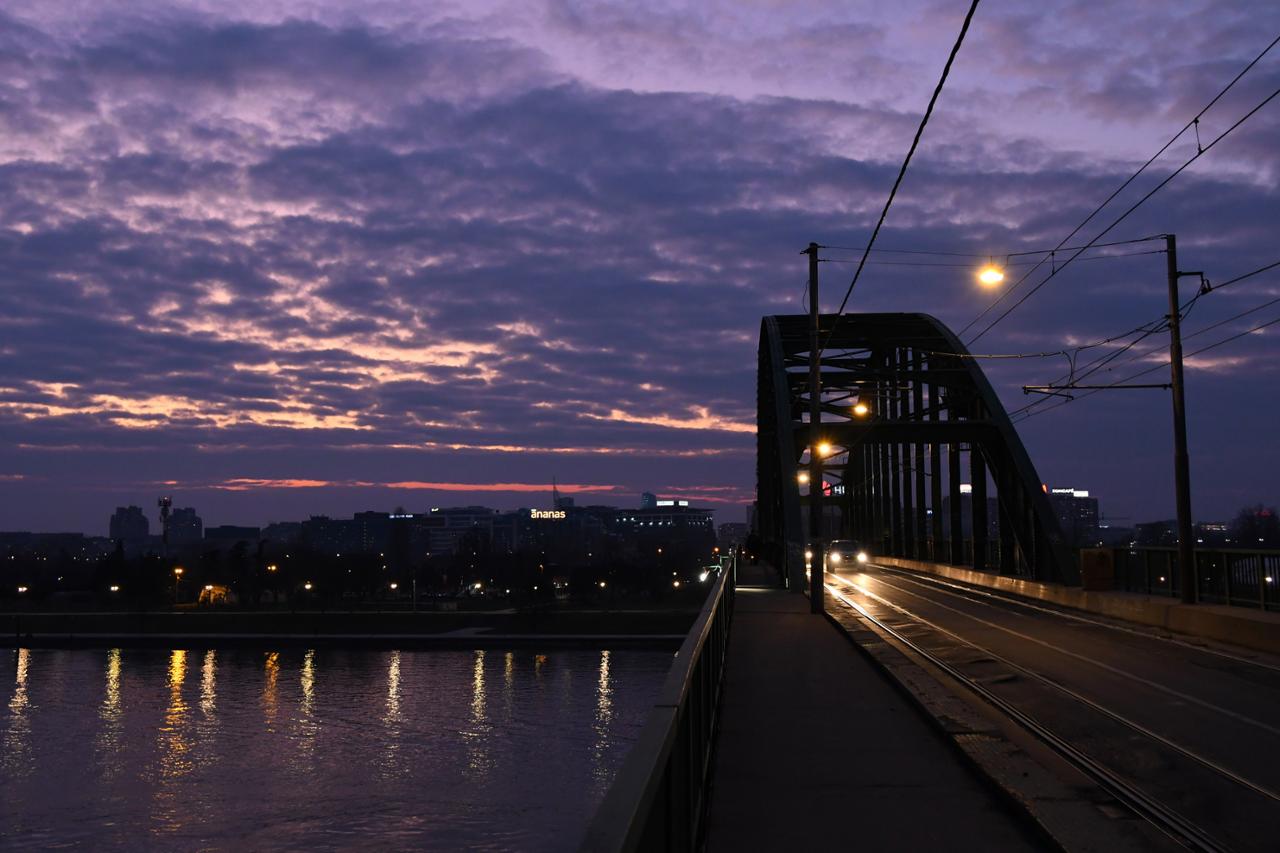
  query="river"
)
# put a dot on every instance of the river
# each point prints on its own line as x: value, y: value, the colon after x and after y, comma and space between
x: 295, y: 749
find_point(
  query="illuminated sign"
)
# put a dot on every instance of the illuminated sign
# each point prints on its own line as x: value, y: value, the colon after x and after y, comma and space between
x: 401, y: 515
x: 1075, y: 493
x: 673, y: 503
x: 547, y: 514
x: 966, y: 488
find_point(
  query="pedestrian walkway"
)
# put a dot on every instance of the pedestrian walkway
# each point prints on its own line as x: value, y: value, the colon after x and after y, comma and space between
x: 817, y: 751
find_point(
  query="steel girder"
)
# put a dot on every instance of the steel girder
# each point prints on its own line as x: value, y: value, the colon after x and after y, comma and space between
x: 928, y: 401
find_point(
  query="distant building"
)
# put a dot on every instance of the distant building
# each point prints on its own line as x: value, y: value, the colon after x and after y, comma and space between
x: 331, y: 534
x: 672, y: 521
x: 1159, y: 533
x: 185, y: 527
x: 283, y: 531
x: 129, y: 525
x: 231, y: 533
x: 732, y: 533
x: 1077, y: 515
x: 648, y: 500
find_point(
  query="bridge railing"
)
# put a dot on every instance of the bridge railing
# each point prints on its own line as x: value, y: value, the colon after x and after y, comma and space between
x: 658, y: 799
x: 1241, y: 577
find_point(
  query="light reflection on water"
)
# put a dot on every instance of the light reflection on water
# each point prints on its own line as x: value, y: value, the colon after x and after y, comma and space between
x: 316, y: 749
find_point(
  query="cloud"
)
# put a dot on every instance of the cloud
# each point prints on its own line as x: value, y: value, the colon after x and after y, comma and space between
x: 498, y: 243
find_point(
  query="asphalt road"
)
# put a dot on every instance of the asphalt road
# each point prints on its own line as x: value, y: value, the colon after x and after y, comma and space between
x: 1192, y: 725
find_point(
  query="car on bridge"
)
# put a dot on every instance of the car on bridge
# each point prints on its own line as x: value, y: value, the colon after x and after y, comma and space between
x: 846, y: 552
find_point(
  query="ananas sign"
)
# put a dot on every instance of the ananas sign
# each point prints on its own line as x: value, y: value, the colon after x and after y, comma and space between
x: 547, y: 514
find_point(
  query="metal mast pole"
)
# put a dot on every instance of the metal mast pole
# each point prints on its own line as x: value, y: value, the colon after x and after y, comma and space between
x: 815, y: 425
x: 1181, y: 460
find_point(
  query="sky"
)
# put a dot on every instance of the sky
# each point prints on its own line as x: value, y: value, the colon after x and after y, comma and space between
x: 294, y: 257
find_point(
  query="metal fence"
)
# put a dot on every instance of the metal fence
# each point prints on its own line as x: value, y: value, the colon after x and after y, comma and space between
x: 1240, y: 577
x: 658, y: 799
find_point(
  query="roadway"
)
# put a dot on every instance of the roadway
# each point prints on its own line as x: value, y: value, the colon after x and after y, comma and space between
x: 1185, y: 732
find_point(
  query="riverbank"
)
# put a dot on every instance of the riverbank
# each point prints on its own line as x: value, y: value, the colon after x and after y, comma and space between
x: 589, y: 628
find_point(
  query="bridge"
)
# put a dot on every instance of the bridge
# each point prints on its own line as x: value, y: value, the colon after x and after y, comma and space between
x: 969, y: 686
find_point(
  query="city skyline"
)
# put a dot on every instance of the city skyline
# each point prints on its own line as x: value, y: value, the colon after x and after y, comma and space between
x: 394, y: 256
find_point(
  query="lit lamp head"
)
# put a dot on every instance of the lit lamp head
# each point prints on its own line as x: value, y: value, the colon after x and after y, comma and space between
x: 824, y: 448
x: 990, y: 275
x: 802, y: 477
x: 861, y: 409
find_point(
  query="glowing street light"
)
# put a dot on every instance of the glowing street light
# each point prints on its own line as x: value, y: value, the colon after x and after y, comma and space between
x: 395, y: 585
x: 824, y: 448
x: 307, y: 586
x: 861, y: 410
x: 990, y: 275
x: 802, y: 477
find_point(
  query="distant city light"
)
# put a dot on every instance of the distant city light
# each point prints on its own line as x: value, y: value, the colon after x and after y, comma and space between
x: 21, y: 589
x: 307, y: 586
x: 115, y: 588
x: 395, y: 585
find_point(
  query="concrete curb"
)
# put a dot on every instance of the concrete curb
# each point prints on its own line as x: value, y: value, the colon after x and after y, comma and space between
x: 1240, y: 626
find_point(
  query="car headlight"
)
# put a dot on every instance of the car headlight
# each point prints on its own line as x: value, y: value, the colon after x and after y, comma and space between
x: 862, y: 556
x: 835, y: 557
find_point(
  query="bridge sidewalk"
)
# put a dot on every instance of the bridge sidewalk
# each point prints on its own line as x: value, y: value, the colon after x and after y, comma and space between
x: 817, y: 751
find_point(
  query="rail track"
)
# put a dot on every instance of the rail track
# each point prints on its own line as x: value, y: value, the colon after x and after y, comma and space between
x: 1157, y: 776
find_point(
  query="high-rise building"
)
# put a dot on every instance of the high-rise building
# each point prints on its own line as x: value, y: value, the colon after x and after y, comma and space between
x: 1077, y: 514
x: 129, y: 524
x: 185, y: 527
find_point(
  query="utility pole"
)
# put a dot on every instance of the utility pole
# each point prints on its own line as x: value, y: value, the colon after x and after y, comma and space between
x: 815, y: 424
x: 1181, y: 460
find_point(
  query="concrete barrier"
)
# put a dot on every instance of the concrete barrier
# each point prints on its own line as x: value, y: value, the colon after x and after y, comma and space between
x: 1253, y: 629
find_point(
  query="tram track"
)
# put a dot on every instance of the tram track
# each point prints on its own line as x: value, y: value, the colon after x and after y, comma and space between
x: 1127, y: 786
x: 978, y: 595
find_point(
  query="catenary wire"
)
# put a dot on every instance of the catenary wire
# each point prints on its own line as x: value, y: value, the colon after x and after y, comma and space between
x: 946, y: 69
x: 1194, y: 122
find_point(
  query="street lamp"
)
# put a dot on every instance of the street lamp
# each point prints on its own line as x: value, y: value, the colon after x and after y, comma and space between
x: 990, y: 275
x: 177, y: 580
x: 861, y: 409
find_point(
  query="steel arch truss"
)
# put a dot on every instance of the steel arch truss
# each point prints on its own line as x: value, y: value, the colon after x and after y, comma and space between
x: 932, y: 471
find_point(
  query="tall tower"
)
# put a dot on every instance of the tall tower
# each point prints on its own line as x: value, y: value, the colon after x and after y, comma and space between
x: 166, y: 504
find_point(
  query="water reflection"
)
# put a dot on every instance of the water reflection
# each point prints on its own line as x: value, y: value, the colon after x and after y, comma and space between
x: 175, y: 749
x: 110, y: 717
x: 477, y: 733
x: 307, y: 726
x: 118, y: 750
x: 269, y: 698
x: 602, y: 725
x: 17, y: 737
x: 208, y: 685
x: 392, y: 766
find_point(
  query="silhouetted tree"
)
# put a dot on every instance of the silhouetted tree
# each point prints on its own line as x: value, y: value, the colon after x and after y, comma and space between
x: 1256, y: 527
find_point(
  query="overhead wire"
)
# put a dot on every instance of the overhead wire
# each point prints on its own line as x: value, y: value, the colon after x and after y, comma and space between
x: 1157, y: 326
x: 1151, y: 369
x: 1201, y: 150
x: 946, y: 70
